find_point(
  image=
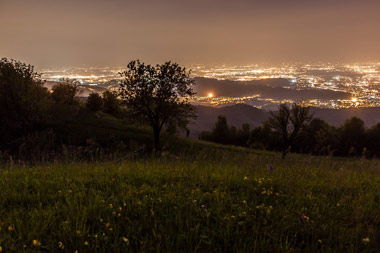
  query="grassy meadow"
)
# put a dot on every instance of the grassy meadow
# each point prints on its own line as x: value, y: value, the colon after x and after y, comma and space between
x: 213, y: 199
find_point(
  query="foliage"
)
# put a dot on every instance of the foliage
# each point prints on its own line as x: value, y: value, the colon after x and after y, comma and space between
x: 159, y: 95
x: 23, y: 99
x: 65, y: 92
x: 94, y: 102
x: 111, y: 102
x: 225, y: 134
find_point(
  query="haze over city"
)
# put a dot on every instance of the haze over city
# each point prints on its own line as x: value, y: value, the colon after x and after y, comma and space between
x: 51, y: 33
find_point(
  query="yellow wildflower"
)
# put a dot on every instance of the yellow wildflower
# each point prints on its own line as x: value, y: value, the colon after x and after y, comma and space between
x: 10, y: 228
x: 110, y: 205
x: 125, y: 239
x: 120, y: 209
x: 86, y: 243
x: 366, y: 240
x: 60, y: 245
x: 36, y: 243
x: 1, y: 249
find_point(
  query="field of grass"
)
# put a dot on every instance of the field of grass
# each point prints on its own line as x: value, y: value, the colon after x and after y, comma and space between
x: 209, y: 200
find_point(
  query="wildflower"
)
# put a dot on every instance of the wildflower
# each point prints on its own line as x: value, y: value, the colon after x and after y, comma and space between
x: 96, y: 236
x: 110, y: 229
x: 203, y: 206
x: 120, y: 209
x: 366, y: 240
x: 304, y: 218
x: 233, y: 217
x: 118, y: 215
x: 337, y: 204
x: 86, y: 243
x: 101, y: 220
x: 110, y: 205
x: 244, y: 202
x: 76, y: 251
x: 194, y: 201
x: 36, y: 243
x: 263, y: 192
x: 60, y: 245
x: 245, y: 178
x: 125, y: 204
x: 69, y: 191
x: 114, y: 213
x: 320, y: 241
x: 10, y: 228
x: 78, y: 232
x: 1, y: 249
x: 271, y: 168
x: 125, y: 239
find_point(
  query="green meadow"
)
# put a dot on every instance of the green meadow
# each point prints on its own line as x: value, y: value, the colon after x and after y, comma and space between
x: 202, y: 198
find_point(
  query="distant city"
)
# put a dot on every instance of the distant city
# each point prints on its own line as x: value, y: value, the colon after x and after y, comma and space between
x: 360, y: 81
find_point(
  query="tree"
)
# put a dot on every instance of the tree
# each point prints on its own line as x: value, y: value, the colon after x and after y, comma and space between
x: 288, y: 122
x: 111, y: 102
x: 65, y: 92
x: 94, y: 102
x: 23, y: 99
x: 159, y: 94
x: 352, y: 136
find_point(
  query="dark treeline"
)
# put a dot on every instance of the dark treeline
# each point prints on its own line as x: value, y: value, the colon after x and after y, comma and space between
x: 37, y: 123
x: 317, y: 137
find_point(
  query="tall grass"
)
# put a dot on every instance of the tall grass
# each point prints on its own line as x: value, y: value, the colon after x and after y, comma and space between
x: 215, y: 199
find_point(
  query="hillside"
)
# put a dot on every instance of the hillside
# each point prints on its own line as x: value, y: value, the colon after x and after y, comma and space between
x: 208, y: 198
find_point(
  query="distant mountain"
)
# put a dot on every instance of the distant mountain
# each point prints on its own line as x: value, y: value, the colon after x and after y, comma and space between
x: 266, y: 88
x: 241, y: 113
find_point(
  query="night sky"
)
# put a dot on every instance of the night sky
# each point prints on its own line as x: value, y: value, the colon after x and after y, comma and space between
x: 50, y: 33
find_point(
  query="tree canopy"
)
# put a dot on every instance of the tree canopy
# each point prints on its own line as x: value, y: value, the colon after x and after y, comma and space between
x: 158, y: 94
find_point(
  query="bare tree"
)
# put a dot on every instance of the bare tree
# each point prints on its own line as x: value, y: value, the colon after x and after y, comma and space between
x: 288, y: 123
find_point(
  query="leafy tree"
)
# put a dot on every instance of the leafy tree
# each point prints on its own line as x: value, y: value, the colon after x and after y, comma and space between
x: 352, y: 136
x: 23, y: 99
x: 111, y: 102
x: 65, y: 92
x: 159, y: 94
x: 243, y: 135
x: 288, y: 122
x: 373, y: 140
x: 94, y: 102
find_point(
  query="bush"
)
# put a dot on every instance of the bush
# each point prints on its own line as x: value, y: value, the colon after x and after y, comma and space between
x: 94, y: 102
x: 65, y: 93
x: 111, y: 102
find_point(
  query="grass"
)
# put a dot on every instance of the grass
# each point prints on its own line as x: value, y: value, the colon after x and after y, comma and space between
x: 209, y: 198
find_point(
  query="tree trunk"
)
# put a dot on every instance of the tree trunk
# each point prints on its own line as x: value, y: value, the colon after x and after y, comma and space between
x: 285, y: 152
x: 157, y: 147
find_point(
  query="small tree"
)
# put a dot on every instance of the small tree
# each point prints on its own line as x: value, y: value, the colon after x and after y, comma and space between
x: 94, y: 102
x: 65, y: 92
x: 288, y: 122
x: 111, y: 103
x: 159, y: 94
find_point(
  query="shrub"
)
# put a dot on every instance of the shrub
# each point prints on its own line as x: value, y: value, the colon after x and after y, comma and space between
x: 94, y: 102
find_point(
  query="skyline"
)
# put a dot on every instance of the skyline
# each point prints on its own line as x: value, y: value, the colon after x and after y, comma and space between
x: 72, y: 33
